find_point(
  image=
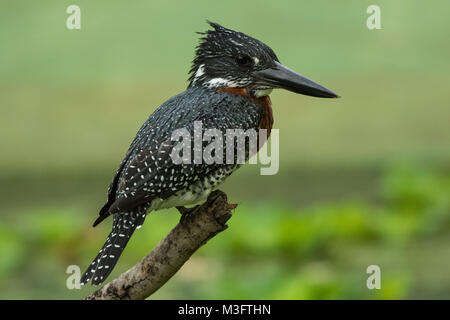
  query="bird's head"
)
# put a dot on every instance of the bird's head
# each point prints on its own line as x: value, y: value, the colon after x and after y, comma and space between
x: 229, y: 59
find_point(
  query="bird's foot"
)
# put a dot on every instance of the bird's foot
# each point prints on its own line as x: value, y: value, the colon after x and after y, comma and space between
x: 185, y: 212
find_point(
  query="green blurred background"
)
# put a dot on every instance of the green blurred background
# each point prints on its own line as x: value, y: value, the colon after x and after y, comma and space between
x: 363, y: 180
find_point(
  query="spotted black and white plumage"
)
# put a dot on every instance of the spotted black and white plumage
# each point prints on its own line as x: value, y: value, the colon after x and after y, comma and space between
x: 226, y: 58
x: 148, y: 180
x: 124, y: 225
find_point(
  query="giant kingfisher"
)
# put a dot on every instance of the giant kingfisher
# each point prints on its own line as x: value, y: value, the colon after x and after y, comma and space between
x: 230, y: 81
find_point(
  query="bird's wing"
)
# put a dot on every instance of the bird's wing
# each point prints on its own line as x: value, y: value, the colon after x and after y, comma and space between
x: 113, y: 185
x: 149, y: 131
x: 148, y: 171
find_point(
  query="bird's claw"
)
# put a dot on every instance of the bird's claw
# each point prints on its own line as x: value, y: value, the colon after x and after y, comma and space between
x: 185, y: 212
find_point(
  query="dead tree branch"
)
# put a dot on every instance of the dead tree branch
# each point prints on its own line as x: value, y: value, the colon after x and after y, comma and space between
x: 154, y: 270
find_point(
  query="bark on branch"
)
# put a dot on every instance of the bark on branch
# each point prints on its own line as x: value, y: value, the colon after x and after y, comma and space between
x: 169, y: 255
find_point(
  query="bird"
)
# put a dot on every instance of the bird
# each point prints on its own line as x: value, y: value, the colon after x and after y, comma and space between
x: 231, y: 77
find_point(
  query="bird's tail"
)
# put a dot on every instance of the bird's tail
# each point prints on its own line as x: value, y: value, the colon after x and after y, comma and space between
x: 124, y: 225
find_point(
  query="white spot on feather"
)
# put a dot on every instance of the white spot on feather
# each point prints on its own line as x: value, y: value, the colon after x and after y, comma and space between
x: 236, y: 43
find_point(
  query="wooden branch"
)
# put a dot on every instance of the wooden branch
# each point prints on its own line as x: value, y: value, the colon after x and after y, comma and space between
x: 154, y: 270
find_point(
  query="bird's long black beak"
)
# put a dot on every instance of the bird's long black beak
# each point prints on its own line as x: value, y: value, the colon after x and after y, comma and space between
x: 282, y: 77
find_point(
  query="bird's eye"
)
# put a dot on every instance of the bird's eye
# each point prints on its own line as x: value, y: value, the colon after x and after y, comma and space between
x: 243, y: 60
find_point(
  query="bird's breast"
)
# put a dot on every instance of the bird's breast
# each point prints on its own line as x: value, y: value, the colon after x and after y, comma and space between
x: 266, y: 121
